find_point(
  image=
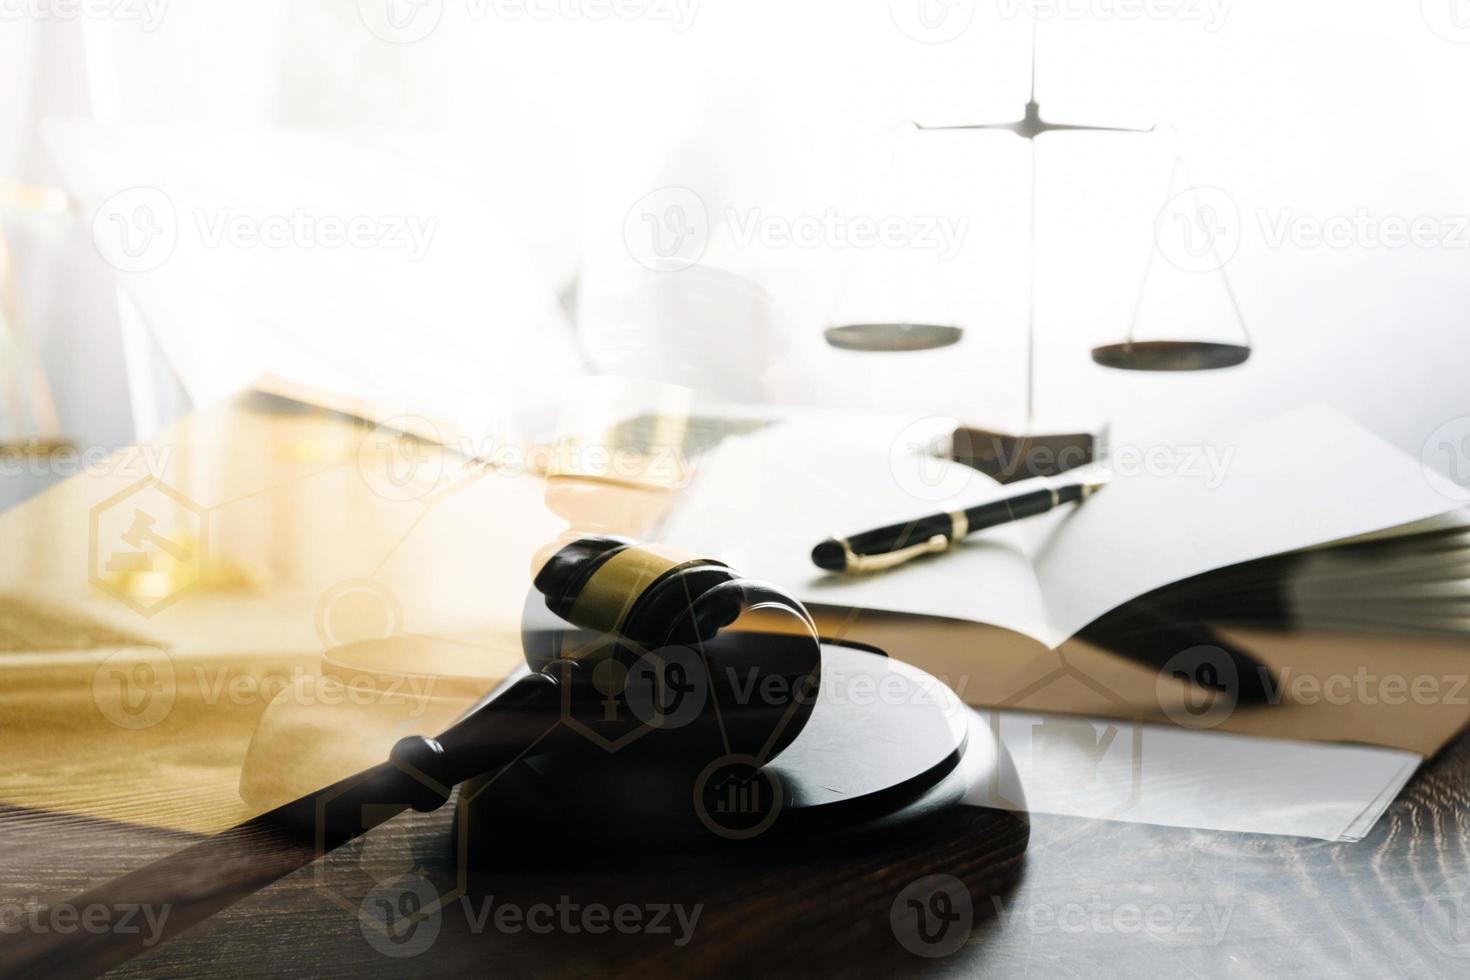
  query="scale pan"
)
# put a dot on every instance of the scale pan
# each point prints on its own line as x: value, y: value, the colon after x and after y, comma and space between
x: 1170, y: 355
x: 892, y: 336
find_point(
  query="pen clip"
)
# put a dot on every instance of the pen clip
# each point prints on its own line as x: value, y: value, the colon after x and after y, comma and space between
x: 890, y: 559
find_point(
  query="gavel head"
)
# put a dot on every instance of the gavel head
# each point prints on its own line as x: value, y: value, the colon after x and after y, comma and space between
x: 670, y: 654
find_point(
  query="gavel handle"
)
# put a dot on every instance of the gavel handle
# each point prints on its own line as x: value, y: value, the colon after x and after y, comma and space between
x: 422, y: 772
x: 208, y: 877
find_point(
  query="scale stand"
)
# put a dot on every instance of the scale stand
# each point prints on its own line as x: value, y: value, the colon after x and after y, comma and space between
x: 1015, y: 456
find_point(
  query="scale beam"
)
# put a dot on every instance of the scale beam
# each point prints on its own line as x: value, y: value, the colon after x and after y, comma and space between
x: 1032, y: 125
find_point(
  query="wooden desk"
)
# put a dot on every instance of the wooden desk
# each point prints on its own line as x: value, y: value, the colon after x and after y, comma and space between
x: 1220, y: 904
x: 87, y: 802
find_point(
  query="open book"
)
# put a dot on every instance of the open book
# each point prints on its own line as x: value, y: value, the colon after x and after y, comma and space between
x: 1171, y: 513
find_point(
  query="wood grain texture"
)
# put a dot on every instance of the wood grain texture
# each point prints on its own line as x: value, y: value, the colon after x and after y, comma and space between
x: 1089, y: 899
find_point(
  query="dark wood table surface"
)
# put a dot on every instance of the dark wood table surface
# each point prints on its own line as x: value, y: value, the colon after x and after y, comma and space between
x: 1055, y: 897
x: 1086, y: 899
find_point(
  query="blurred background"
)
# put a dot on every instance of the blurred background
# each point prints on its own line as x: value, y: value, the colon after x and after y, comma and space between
x: 457, y: 206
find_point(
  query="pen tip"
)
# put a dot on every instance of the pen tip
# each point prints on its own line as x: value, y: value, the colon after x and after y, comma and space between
x: 830, y: 555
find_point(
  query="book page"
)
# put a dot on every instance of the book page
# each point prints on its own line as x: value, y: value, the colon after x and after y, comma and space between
x: 1307, y: 477
x: 761, y: 502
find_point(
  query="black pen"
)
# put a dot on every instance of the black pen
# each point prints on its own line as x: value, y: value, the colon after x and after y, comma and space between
x: 886, y: 547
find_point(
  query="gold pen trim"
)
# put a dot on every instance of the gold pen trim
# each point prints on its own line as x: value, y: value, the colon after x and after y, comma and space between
x: 1051, y: 488
x: 890, y: 559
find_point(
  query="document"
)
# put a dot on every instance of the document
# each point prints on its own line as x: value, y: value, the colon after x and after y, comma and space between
x: 1172, y: 777
x: 1309, y: 477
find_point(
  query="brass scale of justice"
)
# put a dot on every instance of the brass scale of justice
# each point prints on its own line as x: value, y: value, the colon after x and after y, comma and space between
x: 1129, y: 355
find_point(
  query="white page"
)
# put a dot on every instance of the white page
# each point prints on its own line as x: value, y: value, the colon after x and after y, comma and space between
x: 761, y: 502
x: 437, y: 312
x: 1175, y: 777
x: 1306, y: 477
